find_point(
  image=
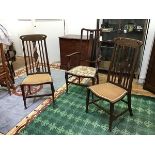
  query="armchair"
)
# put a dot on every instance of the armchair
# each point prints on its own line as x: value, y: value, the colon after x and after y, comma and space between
x: 84, y: 68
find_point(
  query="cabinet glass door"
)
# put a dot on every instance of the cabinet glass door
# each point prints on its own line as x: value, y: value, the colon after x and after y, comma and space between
x: 111, y: 28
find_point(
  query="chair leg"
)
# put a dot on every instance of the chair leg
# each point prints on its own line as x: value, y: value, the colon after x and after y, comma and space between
x: 12, y: 72
x: 92, y: 95
x: 29, y: 88
x: 10, y: 82
x: 53, y: 90
x: 87, y: 100
x: 66, y: 78
x: 111, y: 116
x: 93, y: 81
x: 97, y: 78
x: 23, y: 94
x: 129, y: 104
x: 8, y: 86
x: 12, y: 68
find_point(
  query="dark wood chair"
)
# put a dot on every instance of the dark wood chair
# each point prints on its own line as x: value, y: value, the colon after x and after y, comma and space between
x: 119, y: 79
x: 5, y: 78
x: 83, y: 67
x: 37, y: 65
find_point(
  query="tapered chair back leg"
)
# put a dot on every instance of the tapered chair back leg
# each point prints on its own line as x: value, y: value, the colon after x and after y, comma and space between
x: 129, y: 104
x: 23, y: 94
x: 87, y: 100
x: 53, y: 91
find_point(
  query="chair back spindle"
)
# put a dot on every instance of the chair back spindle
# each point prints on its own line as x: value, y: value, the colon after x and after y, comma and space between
x: 93, y: 49
x: 124, y: 59
x: 35, y: 54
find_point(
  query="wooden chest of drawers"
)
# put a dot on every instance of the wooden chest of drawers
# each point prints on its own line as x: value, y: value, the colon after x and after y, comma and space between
x: 70, y: 44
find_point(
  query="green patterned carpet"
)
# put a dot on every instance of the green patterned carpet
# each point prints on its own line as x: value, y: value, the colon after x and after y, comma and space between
x: 70, y: 118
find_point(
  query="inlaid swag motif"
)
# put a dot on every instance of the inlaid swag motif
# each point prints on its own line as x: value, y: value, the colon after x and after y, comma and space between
x: 36, y: 57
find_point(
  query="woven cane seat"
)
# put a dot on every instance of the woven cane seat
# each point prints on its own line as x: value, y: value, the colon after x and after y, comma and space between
x: 108, y: 91
x: 37, y: 79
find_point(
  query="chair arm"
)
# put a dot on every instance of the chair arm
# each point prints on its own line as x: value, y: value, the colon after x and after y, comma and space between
x: 96, y: 62
x: 69, y: 59
x: 69, y: 55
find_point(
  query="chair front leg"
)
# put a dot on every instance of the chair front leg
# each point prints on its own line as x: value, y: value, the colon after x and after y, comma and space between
x: 53, y: 90
x: 23, y: 94
x: 8, y: 85
x: 29, y: 88
x: 93, y: 81
x: 111, y: 116
x: 129, y: 104
x: 87, y: 99
x: 97, y: 78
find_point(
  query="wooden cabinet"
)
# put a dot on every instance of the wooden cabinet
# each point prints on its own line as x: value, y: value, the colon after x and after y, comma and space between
x: 150, y: 76
x: 70, y: 44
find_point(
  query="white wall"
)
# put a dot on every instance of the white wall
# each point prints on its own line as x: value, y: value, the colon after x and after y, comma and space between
x: 50, y: 27
x: 147, y: 52
x: 53, y: 29
x: 74, y: 25
x: 22, y: 27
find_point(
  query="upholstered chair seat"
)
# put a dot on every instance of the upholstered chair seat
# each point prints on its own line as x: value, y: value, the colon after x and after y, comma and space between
x: 83, y: 71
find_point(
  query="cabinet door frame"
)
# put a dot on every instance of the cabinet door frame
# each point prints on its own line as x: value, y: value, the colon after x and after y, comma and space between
x: 149, y: 82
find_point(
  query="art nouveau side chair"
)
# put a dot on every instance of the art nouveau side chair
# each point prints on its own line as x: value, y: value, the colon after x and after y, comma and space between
x: 84, y: 67
x: 119, y: 79
x: 37, y: 65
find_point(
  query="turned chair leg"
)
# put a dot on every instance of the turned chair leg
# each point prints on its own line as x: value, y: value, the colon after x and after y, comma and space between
x: 23, y: 94
x: 87, y: 100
